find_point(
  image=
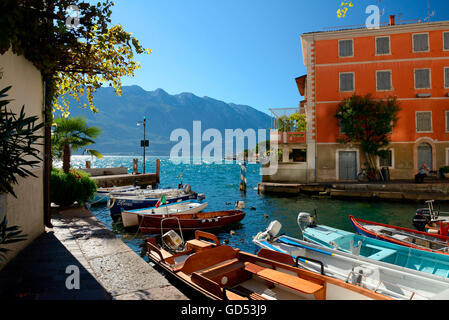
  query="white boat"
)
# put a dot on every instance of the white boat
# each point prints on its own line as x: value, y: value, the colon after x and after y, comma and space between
x: 130, y: 218
x: 103, y: 194
x: 397, y: 282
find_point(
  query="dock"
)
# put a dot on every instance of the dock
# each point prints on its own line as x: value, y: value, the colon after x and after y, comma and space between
x: 391, y: 191
x: 108, y: 268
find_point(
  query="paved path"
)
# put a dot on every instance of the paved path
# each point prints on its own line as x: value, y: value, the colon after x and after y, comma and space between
x: 109, y: 269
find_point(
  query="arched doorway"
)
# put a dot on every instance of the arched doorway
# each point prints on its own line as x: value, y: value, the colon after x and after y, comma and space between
x: 425, y: 155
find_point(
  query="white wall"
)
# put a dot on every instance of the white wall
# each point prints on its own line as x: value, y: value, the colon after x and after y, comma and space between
x: 27, y: 211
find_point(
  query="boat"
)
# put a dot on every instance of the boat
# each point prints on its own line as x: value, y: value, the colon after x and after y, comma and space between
x: 133, y: 218
x: 402, y: 236
x: 102, y: 195
x: 397, y: 282
x: 119, y: 203
x: 429, y: 220
x: 221, y: 272
x: 414, y: 259
x: 190, y: 221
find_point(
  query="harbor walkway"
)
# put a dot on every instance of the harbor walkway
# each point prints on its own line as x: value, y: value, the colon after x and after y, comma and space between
x: 108, y: 268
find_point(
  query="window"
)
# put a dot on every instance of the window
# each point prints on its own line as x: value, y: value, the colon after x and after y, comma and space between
x: 446, y: 77
x: 421, y: 42
x: 340, y: 126
x: 298, y: 155
x: 387, y: 159
x: 422, y: 79
x: 347, y: 81
x: 345, y: 48
x: 383, y: 45
x: 424, y: 121
x: 447, y: 120
x: 446, y: 40
x: 383, y: 80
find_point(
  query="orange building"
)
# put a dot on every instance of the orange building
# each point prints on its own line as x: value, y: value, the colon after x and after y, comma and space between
x: 409, y: 61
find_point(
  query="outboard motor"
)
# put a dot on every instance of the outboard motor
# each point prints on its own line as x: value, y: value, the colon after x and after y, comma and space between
x: 172, y: 240
x: 421, y: 218
x: 305, y: 220
x: 272, y: 231
x: 200, y: 196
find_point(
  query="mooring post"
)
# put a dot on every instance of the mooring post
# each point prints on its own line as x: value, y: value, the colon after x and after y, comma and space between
x: 135, y: 166
x: 158, y: 170
x: 243, y: 177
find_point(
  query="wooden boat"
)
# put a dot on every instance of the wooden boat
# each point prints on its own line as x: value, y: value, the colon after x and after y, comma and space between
x: 130, y: 218
x: 397, y: 282
x: 414, y: 259
x: 189, y: 221
x: 430, y: 220
x: 223, y: 273
x: 117, y: 204
x: 402, y: 236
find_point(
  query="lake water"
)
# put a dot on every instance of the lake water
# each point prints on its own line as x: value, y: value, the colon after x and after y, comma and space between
x: 220, y: 184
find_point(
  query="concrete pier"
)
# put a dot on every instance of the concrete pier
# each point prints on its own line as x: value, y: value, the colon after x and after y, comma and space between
x: 394, y: 191
x: 108, y: 268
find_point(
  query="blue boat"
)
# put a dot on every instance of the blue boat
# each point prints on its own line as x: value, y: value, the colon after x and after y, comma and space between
x: 117, y: 204
x: 420, y: 260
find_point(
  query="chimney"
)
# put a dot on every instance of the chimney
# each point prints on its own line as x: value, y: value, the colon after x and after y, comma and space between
x: 392, y: 22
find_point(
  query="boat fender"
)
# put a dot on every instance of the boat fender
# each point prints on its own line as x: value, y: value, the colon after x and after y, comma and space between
x: 355, y: 249
x: 111, y: 202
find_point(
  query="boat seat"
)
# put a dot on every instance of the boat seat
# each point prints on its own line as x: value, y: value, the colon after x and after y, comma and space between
x: 382, y: 254
x: 284, y: 279
x: 198, y: 245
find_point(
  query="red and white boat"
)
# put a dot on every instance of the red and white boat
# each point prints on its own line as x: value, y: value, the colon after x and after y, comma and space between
x: 189, y: 222
x: 402, y: 236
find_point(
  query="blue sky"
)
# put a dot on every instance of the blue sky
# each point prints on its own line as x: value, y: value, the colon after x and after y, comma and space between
x: 240, y: 51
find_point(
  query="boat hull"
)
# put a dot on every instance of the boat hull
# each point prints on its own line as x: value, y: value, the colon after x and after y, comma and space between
x: 120, y: 204
x: 201, y: 221
x: 402, y: 236
x: 131, y: 218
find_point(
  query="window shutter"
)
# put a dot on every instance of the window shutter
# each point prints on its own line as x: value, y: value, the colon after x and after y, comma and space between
x: 383, y: 80
x: 446, y: 40
x: 446, y: 77
x: 424, y: 121
x: 383, y: 45
x: 386, y: 161
x: 345, y: 48
x: 422, y: 79
x: 420, y: 42
x: 346, y: 82
x: 447, y: 121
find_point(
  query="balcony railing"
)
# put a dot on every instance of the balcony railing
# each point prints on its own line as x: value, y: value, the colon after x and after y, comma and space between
x: 288, y: 137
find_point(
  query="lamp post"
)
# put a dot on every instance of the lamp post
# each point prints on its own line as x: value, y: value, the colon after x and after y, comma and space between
x: 144, y: 143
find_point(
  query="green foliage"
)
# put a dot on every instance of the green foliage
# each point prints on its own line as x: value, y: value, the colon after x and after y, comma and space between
x: 73, y: 61
x: 368, y: 122
x: 18, y: 141
x: 294, y: 123
x: 444, y: 169
x: 66, y: 188
x: 9, y: 235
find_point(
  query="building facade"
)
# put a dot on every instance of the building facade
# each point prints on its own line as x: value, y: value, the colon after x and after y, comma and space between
x: 409, y: 62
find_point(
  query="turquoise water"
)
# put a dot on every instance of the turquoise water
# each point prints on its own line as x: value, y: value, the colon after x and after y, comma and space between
x: 220, y: 184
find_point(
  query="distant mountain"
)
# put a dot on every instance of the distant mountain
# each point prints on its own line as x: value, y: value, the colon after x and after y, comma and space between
x: 118, y: 117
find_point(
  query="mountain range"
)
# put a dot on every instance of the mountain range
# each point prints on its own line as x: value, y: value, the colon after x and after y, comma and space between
x: 118, y: 117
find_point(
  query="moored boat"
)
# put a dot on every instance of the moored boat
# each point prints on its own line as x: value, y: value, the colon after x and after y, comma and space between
x: 117, y: 204
x: 403, y: 236
x: 102, y: 195
x: 415, y: 259
x: 189, y: 221
x: 397, y: 282
x: 221, y: 272
x: 132, y: 218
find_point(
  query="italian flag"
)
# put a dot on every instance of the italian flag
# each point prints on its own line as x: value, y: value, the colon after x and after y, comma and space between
x: 161, y: 201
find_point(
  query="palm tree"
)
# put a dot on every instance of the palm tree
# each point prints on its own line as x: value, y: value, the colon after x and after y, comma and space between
x: 71, y: 134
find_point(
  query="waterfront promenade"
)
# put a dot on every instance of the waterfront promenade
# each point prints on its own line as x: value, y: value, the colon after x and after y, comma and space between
x: 109, y: 269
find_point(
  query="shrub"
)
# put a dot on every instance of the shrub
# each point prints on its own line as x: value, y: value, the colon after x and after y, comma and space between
x: 66, y: 188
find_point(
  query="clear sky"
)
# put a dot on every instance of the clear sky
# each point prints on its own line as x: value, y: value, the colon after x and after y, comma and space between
x: 240, y: 51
